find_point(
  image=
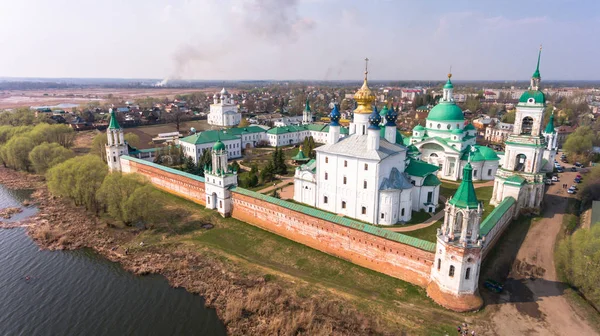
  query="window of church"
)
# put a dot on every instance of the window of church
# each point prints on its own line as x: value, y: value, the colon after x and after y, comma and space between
x: 439, y: 264
x: 366, y: 166
x: 345, y: 180
x: 343, y: 204
x: 439, y: 126
x: 365, y: 184
x: 325, y: 199
x: 326, y: 175
x: 345, y: 163
x: 326, y: 159
x: 451, y: 272
x: 489, y: 172
x: 475, y: 173
x: 402, y: 212
x: 448, y: 126
x: 382, y: 215
x: 364, y: 210
x: 468, y: 273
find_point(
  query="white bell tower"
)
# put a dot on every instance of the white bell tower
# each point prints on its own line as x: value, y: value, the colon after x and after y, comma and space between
x: 307, y: 116
x: 116, y: 145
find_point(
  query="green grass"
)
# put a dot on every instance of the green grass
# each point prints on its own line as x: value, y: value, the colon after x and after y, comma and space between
x: 448, y: 189
x: 418, y: 217
x: 428, y: 233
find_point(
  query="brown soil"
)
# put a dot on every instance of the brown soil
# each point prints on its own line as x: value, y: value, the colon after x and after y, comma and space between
x: 19, y: 180
x: 7, y: 213
x: 247, y: 304
x: 535, y: 302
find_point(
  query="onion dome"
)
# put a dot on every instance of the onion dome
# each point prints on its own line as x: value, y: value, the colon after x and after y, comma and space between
x: 218, y: 146
x: 391, y: 117
x: 224, y: 92
x: 418, y: 128
x: 457, y: 131
x: 374, y: 119
x: 469, y: 127
x: 335, y: 116
x: 364, y: 97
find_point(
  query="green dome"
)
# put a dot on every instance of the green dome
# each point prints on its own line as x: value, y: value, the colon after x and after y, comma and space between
x: 488, y: 153
x: 482, y: 153
x: 457, y: 131
x: 431, y: 180
x: 418, y: 128
x: 538, y: 96
x: 448, y: 85
x: 446, y: 111
x: 218, y: 146
x: 469, y: 127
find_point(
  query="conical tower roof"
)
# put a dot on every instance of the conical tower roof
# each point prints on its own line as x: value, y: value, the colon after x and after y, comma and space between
x: 114, y: 124
x: 550, y: 127
x: 536, y: 74
x: 465, y: 196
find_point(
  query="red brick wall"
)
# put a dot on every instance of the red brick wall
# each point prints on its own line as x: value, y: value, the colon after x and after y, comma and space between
x: 179, y: 185
x: 386, y: 256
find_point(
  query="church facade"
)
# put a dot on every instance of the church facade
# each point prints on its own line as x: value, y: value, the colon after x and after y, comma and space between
x: 367, y: 175
x: 446, y: 141
x: 223, y: 110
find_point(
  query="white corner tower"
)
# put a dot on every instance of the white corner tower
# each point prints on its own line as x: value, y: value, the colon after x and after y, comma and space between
x: 455, y: 272
x: 116, y: 145
x: 218, y: 180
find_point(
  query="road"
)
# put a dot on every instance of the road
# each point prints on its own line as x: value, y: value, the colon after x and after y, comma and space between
x: 534, y: 302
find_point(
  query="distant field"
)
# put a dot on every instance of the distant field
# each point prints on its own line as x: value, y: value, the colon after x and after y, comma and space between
x: 146, y: 133
x: 27, y: 98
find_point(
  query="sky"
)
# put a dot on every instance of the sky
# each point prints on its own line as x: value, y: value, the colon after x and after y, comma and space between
x: 300, y: 39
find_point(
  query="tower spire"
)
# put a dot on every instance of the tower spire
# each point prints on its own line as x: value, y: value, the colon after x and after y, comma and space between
x: 366, y: 68
x: 536, y: 74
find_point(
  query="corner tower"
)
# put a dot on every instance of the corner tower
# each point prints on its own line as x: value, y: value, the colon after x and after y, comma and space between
x: 455, y: 272
x: 115, y: 146
x: 520, y: 175
x: 218, y: 181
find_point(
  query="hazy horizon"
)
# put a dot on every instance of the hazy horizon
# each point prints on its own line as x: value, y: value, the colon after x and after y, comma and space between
x: 299, y: 40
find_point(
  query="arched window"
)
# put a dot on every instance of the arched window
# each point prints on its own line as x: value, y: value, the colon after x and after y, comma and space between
x: 402, y: 212
x: 326, y: 159
x: 343, y: 204
x: 468, y: 273
x: 527, y: 125
x: 439, y: 126
x: 448, y: 126
x: 520, y: 162
x: 439, y: 264
x: 458, y: 223
x: 451, y: 272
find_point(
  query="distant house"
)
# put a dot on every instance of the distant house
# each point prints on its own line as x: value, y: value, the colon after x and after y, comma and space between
x: 123, y: 109
x: 491, y: 95
x: 562, y: 133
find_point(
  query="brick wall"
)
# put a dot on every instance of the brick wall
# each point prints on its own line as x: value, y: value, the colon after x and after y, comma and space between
x: 377, y: 253
x: 383, y: 255
x: 182, y: 186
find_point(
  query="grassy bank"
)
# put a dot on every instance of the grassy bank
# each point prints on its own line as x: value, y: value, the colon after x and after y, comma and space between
x: 306, y: 271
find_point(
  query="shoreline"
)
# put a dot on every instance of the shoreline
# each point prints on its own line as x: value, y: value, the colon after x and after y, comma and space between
x: 246, y: 303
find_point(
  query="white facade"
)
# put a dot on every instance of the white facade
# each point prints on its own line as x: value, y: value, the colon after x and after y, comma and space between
x: 224, y: 111
x: 218, y: 179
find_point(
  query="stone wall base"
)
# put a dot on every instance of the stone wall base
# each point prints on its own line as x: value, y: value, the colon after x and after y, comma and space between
x: 458, y: 303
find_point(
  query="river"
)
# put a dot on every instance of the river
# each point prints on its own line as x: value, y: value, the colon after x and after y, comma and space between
x: 81, y: 293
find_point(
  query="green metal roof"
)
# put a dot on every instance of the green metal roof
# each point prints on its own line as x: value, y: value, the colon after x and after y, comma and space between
x: 469, y: 127
x: 481, y: 153
x: 448, y: 84
x: 209, y: 137
x: 537, y: 95
x: 218, y: 145
x: 446, y: 111
x: 492, y: 219
x: 164, y: 168
x: 406, y: 141
x: 536, y: 73
x: 550, y: 126
x: 420, y: 168
x: 315, y: 127
x: 515, y: 180
x: 457, y: 131
x: 114, y: 124
x: 465, y: 196
x: 344, y: 221
x: 286, y: 129
x: 300, y: 156
x: 245, y: 130
x: 418, y: 128
x: 431, y: 181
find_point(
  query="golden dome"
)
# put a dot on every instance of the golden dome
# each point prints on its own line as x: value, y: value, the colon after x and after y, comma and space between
x: 364, y: 97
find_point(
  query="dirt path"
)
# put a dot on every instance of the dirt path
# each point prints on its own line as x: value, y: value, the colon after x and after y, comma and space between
x: 534, y: 302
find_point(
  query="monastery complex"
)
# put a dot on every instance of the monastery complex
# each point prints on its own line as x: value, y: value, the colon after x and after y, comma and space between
x: 367, y: 176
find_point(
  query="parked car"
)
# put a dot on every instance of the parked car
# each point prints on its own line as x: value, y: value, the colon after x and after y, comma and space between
x: 571, y: 191
x: 573, y: 169
x: 560, y: 170
x: 548, y: 181
x: 493, y: 286
x: 577, y: 180
x: 579, y: 176
x: 573, y: 187
x: 578, y: 164
x: 554, y: 178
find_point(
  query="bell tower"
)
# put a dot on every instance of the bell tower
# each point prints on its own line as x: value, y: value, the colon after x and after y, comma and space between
x: 307, y: 116
x: 115, y: 146
x: 520, y: 175
x: 455, y: 272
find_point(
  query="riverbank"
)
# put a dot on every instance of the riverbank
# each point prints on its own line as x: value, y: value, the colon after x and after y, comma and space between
x: 247, y: 303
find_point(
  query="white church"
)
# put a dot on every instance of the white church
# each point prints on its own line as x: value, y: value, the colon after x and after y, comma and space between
x: 368, y: 175
x: 446, y: 141
x: 223, y: 110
